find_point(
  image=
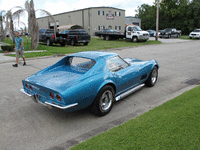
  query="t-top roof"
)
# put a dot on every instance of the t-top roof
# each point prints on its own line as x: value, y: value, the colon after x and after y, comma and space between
x: 93, y: 54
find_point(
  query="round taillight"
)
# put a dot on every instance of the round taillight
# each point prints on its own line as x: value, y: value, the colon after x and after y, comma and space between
x: 51, y: 95
x: 26, y: 86
x: 58, y: 97
x: 31, y: 88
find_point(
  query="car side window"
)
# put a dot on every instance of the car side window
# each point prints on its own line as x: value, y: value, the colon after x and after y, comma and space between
x: 116, y: 64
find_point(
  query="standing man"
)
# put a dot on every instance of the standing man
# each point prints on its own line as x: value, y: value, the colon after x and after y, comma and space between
x: 19, y: 48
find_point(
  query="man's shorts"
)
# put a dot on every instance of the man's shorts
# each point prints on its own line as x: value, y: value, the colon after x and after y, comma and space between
x: 20, y: 52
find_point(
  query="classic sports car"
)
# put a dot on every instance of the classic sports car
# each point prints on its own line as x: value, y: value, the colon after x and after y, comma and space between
x: 95, y: 79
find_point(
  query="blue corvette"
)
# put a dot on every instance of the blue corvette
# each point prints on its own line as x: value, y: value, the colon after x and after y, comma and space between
x: 95, y: 79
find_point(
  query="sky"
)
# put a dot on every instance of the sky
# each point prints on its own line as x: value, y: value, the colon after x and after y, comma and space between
x: 60, y: 6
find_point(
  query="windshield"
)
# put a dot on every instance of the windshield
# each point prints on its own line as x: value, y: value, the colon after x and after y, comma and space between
x: 196, y: 30
x: 168, y: 30
x: 137, y: 28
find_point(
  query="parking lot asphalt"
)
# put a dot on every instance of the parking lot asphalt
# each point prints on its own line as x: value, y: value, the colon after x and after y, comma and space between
x: 171, y: 40
x: 28, y: 125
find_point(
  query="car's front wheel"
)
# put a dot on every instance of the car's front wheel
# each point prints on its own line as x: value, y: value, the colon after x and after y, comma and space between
x: 104, y: 101
x: 48, y: 42
x: 151, y: 81
x: 107, y: 38
x: 135, y: 39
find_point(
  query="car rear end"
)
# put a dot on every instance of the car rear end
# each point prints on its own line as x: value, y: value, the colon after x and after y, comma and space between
x: 45, y: 96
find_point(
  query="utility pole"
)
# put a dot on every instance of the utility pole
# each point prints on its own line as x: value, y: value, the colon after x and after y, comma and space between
x: 157, y: 21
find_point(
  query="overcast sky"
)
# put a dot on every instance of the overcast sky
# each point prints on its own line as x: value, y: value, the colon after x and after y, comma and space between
x: 60, y: 6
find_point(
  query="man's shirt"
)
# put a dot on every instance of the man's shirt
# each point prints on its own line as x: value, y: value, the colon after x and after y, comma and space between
x: 18, y: 41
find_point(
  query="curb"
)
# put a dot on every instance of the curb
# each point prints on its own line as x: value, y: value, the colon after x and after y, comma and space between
x: 73, y: 142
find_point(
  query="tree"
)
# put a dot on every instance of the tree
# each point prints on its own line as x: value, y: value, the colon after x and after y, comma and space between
x: 180, y: 14
x: 33, y: 28
x: 2, y: 17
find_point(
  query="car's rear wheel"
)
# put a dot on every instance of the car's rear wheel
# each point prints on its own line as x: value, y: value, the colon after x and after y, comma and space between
x: 104, y: 101
x: 62, y: 44
x: 151, y: 81
x: 72, y: 42
x: 86, y: 43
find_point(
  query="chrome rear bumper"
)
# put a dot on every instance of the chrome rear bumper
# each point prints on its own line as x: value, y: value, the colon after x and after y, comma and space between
x: 47, y: 104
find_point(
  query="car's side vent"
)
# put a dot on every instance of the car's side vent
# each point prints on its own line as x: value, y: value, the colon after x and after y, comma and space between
x: 143, y: 77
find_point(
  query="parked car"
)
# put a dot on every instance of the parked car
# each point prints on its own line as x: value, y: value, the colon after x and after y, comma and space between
x: 25, y: 34
x: 47, y: 36
x: 152, y: 33
x: 84, y: 79
x: 170, y: 32
x: 195, y: 34
x: 76, y: 36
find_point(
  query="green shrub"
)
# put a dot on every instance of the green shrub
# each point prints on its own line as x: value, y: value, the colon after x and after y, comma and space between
x: 8, y: 48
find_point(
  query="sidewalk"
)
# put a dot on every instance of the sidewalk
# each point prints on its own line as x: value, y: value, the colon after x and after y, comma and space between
x: 4, y: 58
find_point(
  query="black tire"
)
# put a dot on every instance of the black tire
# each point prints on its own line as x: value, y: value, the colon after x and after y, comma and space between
x: 72, y: 42
x: 85, y: 43
x: 107, y: 38
x: 151, y: 81
x: 103, y: 102
x: 134, y: 39
x: 177, y: 35
x: 169, y: 36
x: 48, y: 42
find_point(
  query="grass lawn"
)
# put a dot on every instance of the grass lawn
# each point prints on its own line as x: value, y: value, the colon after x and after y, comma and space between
x: 95, y: 44
x: 173, y: 125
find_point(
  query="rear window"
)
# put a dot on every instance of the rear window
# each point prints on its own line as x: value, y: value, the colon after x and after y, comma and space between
x: 81, y: 63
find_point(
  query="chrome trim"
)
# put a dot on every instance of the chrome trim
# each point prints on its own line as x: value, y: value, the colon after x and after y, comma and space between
x: 23, y: 91
x: 31, y: 96
x: 65, y: 107
x: 129, y: 92
x: 47, y: 104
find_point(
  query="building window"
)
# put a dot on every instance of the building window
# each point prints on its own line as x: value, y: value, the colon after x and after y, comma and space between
x: 109, y: 27
x: 101, y: 13
x: 117, y: 13
x: 117, y: 27
x: 101, y: 27
x: 135, y: 23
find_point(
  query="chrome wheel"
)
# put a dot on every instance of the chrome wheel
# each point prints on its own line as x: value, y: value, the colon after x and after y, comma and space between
x: 134, y: 39
x: 154, y: 76
x: 48, y: 42
x: 151, y: 81
x: 103, y: 102
x: 106, y: 100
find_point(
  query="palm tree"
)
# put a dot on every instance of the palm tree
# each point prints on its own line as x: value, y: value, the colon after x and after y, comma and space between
x: 2, y: 17
x: 33, y: 28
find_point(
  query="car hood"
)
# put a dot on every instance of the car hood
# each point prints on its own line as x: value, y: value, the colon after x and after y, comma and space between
x: 143, y: 32
x: 57, y: 81
x: 195, y: 33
